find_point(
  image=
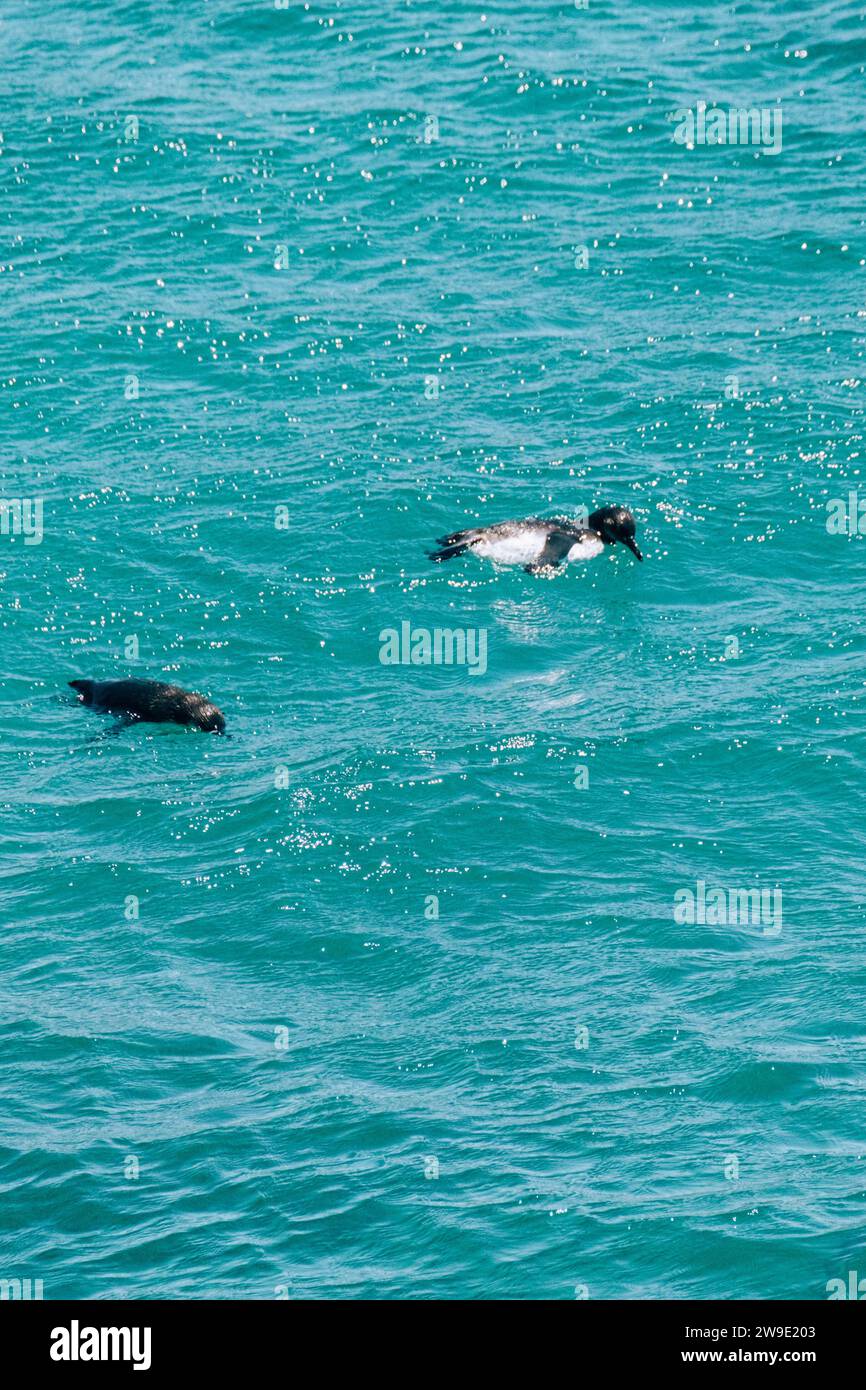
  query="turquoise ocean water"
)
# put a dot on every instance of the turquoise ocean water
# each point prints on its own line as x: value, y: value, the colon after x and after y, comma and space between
x: 382, y: 997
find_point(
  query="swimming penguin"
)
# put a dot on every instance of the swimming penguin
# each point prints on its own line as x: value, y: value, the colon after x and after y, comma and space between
x: 539, y: 544
x: 151, y: 701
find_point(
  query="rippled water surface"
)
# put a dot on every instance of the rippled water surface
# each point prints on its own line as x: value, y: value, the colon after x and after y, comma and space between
x: 385, y: 996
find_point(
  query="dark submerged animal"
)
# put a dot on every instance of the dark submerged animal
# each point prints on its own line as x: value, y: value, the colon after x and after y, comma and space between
x: 150, y: 701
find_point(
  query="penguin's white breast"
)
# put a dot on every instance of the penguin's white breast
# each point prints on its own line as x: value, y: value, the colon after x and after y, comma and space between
x: 521, y: 548
x: 585, y: 548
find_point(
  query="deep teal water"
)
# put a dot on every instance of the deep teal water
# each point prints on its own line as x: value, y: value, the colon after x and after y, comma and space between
x: 286, y: 1044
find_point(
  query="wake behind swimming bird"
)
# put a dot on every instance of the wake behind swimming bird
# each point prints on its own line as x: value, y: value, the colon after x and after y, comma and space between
x: 540, y: 544
x: 140, y: 701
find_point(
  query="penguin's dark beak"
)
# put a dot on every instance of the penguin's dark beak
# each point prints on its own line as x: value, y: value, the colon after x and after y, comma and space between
x: 632, y: 545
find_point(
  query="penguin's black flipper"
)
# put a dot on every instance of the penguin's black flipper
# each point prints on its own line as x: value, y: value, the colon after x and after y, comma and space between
x: 556, y: 547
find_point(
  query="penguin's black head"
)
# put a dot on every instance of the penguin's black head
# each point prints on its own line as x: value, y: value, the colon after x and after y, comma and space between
x: 615, y: 524
x: 85, y: 690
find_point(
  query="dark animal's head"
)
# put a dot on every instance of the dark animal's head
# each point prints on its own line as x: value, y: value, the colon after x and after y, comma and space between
x: 209, y: 718
x: 84, y: 689
x: 615, y: 524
